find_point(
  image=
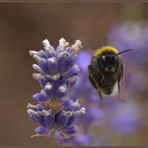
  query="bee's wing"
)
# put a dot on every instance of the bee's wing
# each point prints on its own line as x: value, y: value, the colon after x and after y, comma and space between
x: 119, y: 76
x: 93, y: 79
x: 119, y: 73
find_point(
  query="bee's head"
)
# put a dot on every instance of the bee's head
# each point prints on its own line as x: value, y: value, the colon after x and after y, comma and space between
x: 109, y: 62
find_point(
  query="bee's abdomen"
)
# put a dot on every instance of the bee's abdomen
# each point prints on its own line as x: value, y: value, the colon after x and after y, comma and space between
x: 107, y: 90
x: 107, y: 85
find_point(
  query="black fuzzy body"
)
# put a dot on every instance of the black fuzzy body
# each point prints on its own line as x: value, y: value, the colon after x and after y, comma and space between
x: 105, y: 81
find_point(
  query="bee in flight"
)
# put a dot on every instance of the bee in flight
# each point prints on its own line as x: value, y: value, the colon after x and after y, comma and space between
x: 106, y: 71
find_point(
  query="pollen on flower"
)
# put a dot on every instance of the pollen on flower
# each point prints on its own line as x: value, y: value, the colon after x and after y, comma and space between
x: 36, y: 67
x: 48, y: 47
x: 32, y: 52
x: 30, y: 105
x: 77, y: 46
x: 67, y: 113
x: 52, y: 60
x: 46, y: 44
x: 37, y: 76
x: 63, y: 88
x: 81, y: 111
x: 46, y: 113
x: 53, y: 77
x: 62, y: 43
x: 31, y: 112
x: 48, y: 86
x: 54, y: 105
x: 36, y: 57
x: 77, y: 104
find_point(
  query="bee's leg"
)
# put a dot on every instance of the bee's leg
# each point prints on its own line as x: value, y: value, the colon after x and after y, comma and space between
x: 92, y: 78
x: 119, y: 93
x: 102, y: 78
x: 101, y: 98
x: 123, y: 81
x: 100, y: 95
x: 95, y: 84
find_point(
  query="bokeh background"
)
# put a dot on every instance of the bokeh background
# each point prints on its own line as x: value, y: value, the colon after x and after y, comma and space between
x: 22, y: 28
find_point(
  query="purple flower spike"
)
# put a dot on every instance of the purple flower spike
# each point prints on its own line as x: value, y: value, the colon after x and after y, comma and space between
x: 62, y: 121
x: 56, y: 69
x: 57, y: 72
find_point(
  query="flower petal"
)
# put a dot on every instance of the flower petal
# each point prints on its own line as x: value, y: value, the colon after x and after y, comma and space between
x: 40, y: 97
x: 61, y: 91
x: 65, y: 61
x: 70, y: 130
x: 49, y: 121
x: 61, y: 120
x: 73, y: 71
x: 41, y: 130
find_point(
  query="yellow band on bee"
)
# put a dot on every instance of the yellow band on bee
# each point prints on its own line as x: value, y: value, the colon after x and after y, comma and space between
x: 105, y: 49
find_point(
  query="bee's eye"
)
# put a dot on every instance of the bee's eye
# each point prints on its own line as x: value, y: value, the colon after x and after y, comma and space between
x: 103, y: 57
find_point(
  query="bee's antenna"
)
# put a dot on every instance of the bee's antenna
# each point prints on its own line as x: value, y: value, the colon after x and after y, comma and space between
x: 123, y: 52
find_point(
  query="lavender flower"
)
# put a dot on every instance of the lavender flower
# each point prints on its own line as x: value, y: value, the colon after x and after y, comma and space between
x: 57, y: 72
x: 56, y: 69
x: 63, y: 121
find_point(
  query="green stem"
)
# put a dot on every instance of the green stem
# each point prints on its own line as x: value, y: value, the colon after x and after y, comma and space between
x: 52, y: 136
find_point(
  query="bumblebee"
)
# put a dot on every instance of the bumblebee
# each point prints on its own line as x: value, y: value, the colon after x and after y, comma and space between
x: 106, y: 71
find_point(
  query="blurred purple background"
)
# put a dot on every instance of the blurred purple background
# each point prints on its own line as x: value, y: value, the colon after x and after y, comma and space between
x: 22, y: 28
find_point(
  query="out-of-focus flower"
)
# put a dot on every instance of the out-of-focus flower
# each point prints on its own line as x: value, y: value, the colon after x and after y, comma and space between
x: 57, y: 72
x: 92, y: 113
x: 125, y: 118
x: 130, y: 35
x: 82, y: 139
x: 84, y: 59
